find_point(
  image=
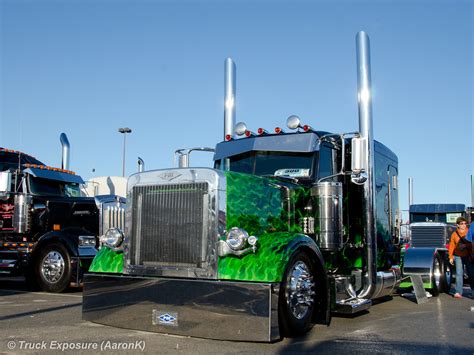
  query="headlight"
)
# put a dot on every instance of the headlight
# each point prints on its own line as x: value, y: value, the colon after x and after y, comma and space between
x: 113, y: 238
x: 86, y: 241
x: 236, y: 238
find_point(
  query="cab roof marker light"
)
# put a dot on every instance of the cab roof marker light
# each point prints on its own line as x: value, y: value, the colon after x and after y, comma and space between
x: 307, y: 128
x: 249, y: 133
x: 262, y: 131
x: 15, y: 151
x: 45, y: 167
x: 228, y: 137
x: 278, y: 130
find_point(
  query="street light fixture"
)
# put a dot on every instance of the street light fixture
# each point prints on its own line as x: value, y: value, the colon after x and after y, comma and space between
x: 124, y: 130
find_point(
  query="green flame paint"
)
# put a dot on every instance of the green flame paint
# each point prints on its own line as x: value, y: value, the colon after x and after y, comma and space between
x: 266, y: 265
x: 107, y: 261
x: 258, y: 205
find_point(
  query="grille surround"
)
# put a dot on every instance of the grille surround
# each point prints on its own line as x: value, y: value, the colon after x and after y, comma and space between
x: 172, y: 223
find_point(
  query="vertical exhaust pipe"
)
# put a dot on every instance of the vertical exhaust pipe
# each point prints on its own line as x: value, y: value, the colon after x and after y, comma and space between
x: 366, y: 133
x: 229, y: 98
x: 410, y: 192
x: 141, y: 165
x: 472, y: 190
x: 65, y: 151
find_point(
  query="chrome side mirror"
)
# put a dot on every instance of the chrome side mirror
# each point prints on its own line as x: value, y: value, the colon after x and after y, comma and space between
x: 359, y: 160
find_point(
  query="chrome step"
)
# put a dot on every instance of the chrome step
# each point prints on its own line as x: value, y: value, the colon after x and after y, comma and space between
x: 352, y: 306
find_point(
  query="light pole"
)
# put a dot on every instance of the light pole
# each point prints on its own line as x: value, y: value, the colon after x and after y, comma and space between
x: 124, y: 130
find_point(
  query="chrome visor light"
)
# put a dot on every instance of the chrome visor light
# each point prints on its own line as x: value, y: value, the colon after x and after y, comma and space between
x: 293, y: 122
x: 237, y: 238
x: 113, y: 238
x: 240, y: 129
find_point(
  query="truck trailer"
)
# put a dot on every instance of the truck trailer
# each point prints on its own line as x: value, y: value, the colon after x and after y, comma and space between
x: 286, y: 229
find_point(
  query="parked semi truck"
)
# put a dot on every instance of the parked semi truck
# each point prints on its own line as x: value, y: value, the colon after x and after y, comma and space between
x: 431, y: 226
x: 48, y: 231
x: 287, y: 228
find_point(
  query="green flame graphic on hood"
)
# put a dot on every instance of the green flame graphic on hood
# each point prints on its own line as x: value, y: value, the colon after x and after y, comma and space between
x: 263, y: 208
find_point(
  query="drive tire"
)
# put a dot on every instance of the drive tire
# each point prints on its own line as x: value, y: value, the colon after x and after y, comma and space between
x: 295, y: 313
x: 53, y: 268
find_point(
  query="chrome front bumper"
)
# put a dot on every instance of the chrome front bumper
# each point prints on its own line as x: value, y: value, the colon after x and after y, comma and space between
x: 208, y: 309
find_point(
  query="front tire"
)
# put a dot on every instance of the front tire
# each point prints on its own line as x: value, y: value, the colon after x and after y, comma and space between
x: 448, y: 276
x: 53, y: 268
x: 297, y: 296
x: 439, y: 276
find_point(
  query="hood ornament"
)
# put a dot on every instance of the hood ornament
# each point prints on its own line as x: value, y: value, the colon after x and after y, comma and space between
x: 169, y: 175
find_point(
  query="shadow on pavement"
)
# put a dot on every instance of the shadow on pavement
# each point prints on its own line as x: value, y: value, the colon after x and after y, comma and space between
x: 360, y: 346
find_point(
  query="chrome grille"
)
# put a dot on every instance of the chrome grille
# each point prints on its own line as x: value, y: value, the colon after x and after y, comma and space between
x: 169, y: 225
x: 428, y: 236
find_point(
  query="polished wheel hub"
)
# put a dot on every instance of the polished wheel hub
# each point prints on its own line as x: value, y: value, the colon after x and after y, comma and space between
x: 301, y: 290
x: 52, y: 267
x: 437, y: 272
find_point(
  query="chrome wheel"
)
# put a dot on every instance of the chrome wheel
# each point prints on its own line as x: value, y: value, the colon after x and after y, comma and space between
x: 52, y: 266
x: 437, y: 273
x: 298, y: 295
x: 300, y: 290
x: 448, y: 276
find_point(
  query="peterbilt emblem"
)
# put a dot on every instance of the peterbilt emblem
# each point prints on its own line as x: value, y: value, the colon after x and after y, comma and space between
x: 165, y: 318
x: 169, y: 175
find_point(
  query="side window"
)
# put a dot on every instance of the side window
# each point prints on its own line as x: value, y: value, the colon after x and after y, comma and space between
x: 326, y: 158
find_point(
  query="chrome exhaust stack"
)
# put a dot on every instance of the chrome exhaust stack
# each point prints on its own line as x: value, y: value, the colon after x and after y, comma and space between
x: 364, y: 97
x: 229, y: 98
x: 141, y: 165
x: 350, y: 299
x: 65, y: 151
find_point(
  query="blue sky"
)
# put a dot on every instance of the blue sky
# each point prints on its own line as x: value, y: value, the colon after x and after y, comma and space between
x: 87, y: 68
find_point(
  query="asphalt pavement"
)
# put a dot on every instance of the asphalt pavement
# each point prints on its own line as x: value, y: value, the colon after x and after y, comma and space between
x: 38, y: 322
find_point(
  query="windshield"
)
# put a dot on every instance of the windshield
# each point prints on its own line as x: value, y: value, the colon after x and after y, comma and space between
x: 47, y: 187
x: 272, y: 163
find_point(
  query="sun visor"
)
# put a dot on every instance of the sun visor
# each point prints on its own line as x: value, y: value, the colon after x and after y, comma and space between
x: 297, y: 143
x: 54, y: 175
